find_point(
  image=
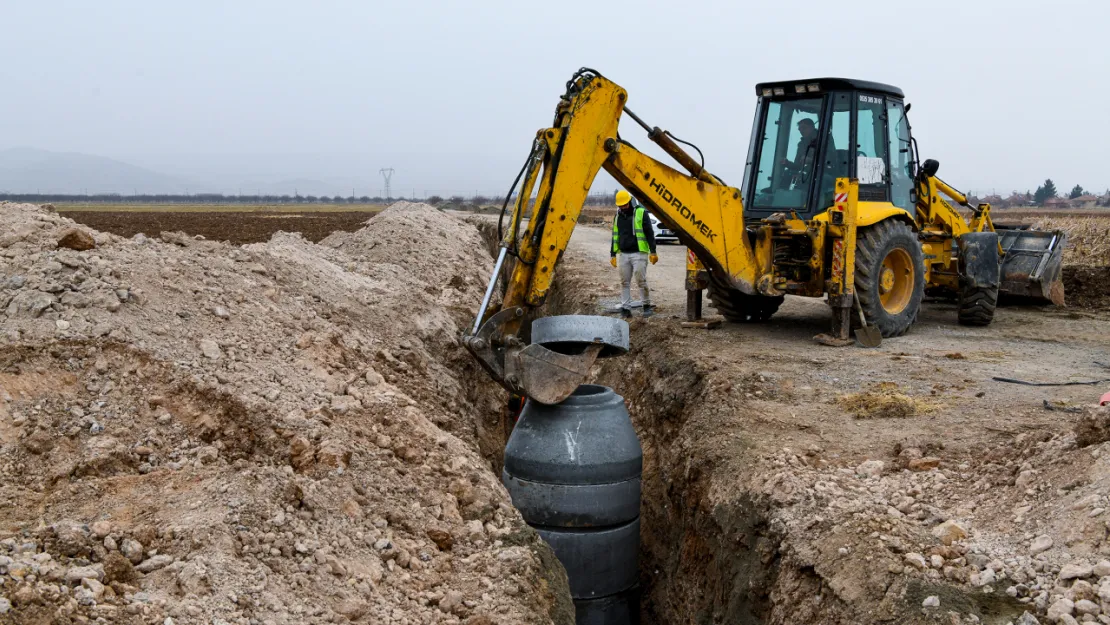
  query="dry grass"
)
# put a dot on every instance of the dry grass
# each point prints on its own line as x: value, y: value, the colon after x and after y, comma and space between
x: 1027, y: 214
x: 1088, y: 237
x: 884, y: 401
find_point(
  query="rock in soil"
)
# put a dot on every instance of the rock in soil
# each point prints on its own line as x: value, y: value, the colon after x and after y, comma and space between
x: 77, y: 239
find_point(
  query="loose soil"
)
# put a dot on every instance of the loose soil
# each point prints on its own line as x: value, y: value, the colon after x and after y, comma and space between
x: 278, y: 433
x: 1087, y: 286
x: 775, y: 491
x: 288, y: 432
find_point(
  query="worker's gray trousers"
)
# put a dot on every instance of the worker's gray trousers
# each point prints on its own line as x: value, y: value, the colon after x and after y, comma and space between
x: 633, y: 265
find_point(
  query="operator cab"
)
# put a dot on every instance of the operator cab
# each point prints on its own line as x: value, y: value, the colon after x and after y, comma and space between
x: 807, y: 133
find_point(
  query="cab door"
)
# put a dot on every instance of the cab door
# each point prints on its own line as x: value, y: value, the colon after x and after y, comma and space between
x: 867, y: 137
x: 836, y: 150
x: 785, y: 156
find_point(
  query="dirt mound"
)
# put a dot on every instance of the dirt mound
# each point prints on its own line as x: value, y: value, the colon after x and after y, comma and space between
x: 278, y: 433
x: 438, y: 249
x: 1087, y: 286
x: 1093, y: 427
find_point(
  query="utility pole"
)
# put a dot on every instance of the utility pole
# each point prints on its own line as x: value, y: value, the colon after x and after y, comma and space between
x: 387, y: 173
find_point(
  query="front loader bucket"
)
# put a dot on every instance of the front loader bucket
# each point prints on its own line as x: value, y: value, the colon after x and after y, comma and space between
x: 1032, y: 263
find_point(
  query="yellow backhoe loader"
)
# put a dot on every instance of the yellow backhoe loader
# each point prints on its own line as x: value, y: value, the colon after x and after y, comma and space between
x: 834, y: 203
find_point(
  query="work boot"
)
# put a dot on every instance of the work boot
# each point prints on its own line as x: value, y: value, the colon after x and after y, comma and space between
x: 626, y: 313
x: 648, y: 311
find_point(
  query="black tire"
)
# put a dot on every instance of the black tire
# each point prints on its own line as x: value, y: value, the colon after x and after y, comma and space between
x: 976, y: 306
x: 739, y: 307
x: 889, y: 245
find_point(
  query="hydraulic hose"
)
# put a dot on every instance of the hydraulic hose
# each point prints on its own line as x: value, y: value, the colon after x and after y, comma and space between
x: 696, y: 149
x: 656, y: 134
x: 509, y: 195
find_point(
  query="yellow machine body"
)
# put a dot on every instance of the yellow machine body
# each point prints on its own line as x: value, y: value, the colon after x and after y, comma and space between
x: 868, y: 256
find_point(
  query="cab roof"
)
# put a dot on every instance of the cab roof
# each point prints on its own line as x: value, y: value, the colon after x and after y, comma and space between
x: 828, y: 84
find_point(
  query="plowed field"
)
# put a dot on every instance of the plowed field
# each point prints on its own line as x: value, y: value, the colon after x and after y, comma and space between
x: 234, y: 227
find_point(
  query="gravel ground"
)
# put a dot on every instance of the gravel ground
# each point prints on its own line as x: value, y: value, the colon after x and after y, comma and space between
x: 787, y: 482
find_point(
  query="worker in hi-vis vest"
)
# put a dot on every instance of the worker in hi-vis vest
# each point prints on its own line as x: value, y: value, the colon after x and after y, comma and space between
x: 633, y: 248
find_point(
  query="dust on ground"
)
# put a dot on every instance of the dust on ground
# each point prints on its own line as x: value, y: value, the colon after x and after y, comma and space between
x: 279, y: 433
x: 767, y: 499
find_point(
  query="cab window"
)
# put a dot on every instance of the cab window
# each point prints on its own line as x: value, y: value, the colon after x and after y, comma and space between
x: 837, y: 149
x: 901, y: 174
x: 752, y: 144
x: 787, y: 154
x: 871, y: 144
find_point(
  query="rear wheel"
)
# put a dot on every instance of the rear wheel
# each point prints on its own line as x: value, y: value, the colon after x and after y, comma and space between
x: 739, y: 307
x: 976, y: 307
x: 890, y: 276
x: 979, y: 271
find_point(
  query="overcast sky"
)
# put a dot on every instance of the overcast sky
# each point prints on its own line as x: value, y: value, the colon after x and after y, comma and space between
x: 451, y: 93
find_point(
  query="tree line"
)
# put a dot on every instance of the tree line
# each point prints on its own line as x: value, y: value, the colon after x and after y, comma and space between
x: 1041, y: 196
x: 1047, y: 191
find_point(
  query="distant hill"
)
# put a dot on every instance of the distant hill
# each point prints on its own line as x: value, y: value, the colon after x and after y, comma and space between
x: 27, y: 170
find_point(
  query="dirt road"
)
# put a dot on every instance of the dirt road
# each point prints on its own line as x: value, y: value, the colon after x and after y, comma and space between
x: 951, y: 364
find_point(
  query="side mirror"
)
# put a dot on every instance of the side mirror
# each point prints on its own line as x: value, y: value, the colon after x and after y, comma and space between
x: 908, y: 107
x: 930, y: 167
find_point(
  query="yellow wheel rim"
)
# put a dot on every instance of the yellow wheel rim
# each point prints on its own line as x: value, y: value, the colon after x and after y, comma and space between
x: 896, y: 281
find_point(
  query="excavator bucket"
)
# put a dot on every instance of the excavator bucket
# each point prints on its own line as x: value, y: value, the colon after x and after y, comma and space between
x: 563, y: 350
x: 1032, y: 263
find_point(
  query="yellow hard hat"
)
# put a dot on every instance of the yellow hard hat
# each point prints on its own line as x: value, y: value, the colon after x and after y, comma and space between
x: 623, y: 197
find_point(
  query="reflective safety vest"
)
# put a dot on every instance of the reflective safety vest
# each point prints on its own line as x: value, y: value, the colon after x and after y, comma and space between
x: 638, y: 227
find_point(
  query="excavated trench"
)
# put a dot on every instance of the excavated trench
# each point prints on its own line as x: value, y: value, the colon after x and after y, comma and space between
x: 723, y: 539
x: 700, y: 561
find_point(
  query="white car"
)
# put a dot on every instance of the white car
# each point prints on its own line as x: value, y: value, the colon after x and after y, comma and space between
x: 662, y: 233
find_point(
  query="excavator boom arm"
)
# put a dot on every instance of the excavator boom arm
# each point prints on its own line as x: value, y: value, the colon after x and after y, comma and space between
x: 584, y: 141
x: 564, y: 161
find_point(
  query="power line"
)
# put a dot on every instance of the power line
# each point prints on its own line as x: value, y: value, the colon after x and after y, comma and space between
x: 387, y: 174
